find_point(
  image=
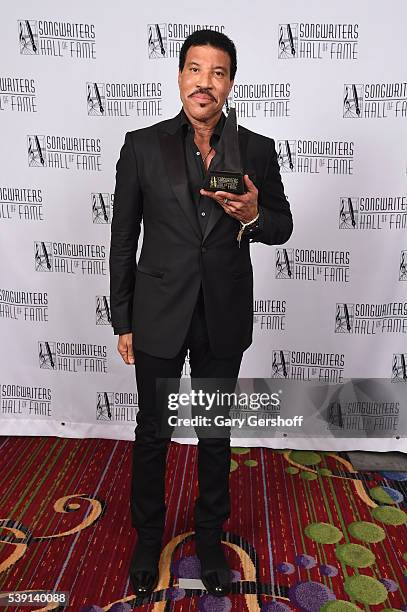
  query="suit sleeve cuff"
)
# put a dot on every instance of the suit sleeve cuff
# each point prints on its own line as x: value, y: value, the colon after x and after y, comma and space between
x: 119, y: 331
x: 252, y: 231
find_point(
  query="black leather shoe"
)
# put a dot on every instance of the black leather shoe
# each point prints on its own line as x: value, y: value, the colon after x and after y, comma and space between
x: 215, y: 570
x: 217, y: 582
x: 143, y: 581
x: 144, y: 567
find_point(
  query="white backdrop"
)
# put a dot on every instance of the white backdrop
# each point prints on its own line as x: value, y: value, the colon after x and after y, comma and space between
x: 327, y: 81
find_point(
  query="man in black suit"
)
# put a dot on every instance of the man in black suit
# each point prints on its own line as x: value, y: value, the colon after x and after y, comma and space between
x: 192, y: 287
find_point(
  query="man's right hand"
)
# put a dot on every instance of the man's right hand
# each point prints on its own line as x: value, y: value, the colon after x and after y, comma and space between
x: 125, y: 348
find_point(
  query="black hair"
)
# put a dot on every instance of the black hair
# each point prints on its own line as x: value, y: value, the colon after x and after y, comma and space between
x: 214, y: 39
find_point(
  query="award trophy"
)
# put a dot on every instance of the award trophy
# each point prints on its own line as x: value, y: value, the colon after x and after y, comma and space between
x: 225, y: 173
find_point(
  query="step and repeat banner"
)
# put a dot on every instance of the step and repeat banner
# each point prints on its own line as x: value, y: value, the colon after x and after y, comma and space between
x: 327, y: 81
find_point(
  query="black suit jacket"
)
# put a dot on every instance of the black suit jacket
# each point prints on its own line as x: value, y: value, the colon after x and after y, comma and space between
x: 155, y: 298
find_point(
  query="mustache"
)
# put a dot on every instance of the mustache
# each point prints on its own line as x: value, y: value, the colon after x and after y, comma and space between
x: 202, y: 91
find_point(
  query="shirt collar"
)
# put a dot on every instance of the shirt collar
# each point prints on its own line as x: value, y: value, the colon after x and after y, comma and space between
x: 185, y: 124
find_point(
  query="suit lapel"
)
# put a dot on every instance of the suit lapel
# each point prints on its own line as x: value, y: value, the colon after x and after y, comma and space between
x: 217, y: 210
x: 172, y: 149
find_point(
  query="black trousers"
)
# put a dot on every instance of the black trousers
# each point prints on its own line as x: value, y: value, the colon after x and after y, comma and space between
x: 212, y: 507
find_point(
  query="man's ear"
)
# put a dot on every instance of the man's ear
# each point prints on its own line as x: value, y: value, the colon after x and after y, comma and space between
x: 231, y: 86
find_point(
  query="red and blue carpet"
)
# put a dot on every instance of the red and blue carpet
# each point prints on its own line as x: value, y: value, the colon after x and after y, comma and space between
x: 307, y: 532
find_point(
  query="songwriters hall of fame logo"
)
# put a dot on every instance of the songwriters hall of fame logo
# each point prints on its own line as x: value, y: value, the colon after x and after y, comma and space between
x: 352, y: 101
x: 315, y: 156
x: 403, y: 266
x: 285, y: 263
x: 373, y: 212
x: 344, y: 318
x: 286, y: 155
x: 313, y: 265
x: 64, y: 152
x: 37, y: 154
x: 280, y: 366
x: 399, y: 368
x: 28, y: 37
x: 307, y: 365
x: 375, y: 100
x: 56, y: 39
x: 104, y: 403
x: 124, y: 99
x: 68, y: 258
x: 20, y: 399
x: 96, y: 98
x: 47, y: 355
x: 269, y: 314
x: 43, y: 257
x: 288, y: 41
x: 72, y: 357
x: 18, y: 95
x: 20, y: 305
x: 262, y: 99
x: 102, y: 207
x: 157, y: 40
x: 117, y: 407
x: 316, y: 41
x: 335, y: 415
x: 382, y: 417
x: 348, y: 213
x: 103, y: 316
x: 370, y: 318
x: 21, y: 203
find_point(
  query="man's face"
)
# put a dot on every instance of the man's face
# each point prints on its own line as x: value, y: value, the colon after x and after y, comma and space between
x: 204, y: 82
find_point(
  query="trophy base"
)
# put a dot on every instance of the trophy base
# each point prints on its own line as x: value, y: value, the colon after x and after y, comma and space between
x: 225, y: 181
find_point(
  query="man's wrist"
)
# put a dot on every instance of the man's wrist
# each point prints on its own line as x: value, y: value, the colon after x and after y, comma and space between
x: 255, y: 229
x: 248, y: 223
x: 251, y: 227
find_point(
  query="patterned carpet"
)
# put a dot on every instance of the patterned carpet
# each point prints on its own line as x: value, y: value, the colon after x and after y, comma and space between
x: 307, y: 532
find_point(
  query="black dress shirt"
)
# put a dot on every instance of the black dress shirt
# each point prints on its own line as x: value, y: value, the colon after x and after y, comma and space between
x: 196, y: 169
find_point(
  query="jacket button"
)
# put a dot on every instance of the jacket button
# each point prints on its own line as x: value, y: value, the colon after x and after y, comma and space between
x: 203, y: 249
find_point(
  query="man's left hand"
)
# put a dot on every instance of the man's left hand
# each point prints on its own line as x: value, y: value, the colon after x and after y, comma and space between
x: 244, y: 207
